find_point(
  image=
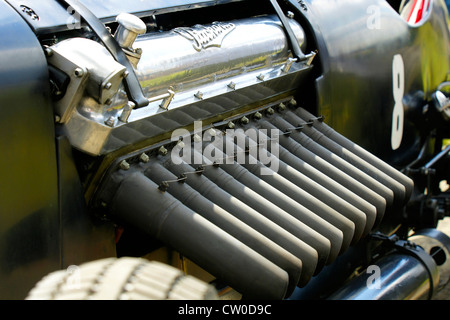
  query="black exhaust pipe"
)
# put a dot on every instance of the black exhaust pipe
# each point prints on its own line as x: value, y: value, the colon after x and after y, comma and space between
x: 411, y: 272
x: 229, y: 223
x: 139, y: 202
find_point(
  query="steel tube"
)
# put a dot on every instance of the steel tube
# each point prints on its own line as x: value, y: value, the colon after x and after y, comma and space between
x: 397, y: 277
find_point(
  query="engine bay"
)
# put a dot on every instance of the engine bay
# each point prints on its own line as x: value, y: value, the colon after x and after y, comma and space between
x: 268, y: 148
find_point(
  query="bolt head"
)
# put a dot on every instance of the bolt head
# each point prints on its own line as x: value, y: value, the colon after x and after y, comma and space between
x: 245, y: 120
x: 78, y: 72
x: 110, y: 121
x: 48, y: 52
x: 162, y: 151
x: 232, y: 85
x: 124, y: 165
x: 199, y: 95
x: 144, y: 158
x: 230, y: 125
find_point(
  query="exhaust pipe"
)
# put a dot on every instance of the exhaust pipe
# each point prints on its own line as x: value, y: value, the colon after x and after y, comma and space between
x: 230, y: 224
x: 361, y: 157
x: 414, y: 271
x: 139, y: 202
x: 262, y: 233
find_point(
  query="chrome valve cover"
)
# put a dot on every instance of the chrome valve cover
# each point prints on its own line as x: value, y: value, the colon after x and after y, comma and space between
x: 182, y: 68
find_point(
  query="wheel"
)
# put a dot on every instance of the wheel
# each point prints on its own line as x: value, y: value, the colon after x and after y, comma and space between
x: 121, y: 279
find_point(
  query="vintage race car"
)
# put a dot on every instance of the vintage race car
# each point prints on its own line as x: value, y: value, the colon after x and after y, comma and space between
x: 247, y: 149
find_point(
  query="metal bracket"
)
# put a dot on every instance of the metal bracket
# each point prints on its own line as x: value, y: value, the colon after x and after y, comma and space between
x: 297, y: 51
x: 131, y: 82
x: 166, y: 98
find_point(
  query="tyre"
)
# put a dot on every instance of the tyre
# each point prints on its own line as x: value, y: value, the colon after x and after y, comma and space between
x: 121, y: 279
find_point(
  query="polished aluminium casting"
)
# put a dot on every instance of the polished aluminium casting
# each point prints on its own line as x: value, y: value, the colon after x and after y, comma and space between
x: 175, y: 68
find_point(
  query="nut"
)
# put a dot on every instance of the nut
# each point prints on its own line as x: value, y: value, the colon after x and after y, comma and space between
x: 162, y: 151
x: 124, y: 165
x: 144, y: 158
x: 257, y: 116
x: 230, y: 125
x: 245, y: 120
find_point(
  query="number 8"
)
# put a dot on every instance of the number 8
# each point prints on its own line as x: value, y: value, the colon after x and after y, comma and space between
x: 398, y: 83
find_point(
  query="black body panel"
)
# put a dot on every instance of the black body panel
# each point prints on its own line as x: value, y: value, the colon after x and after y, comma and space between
x: 29, y: 219
x: 357, y: 43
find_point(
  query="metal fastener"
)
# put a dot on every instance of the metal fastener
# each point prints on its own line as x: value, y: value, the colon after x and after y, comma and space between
x: 162, y: 151
x: 124, y: 165
x: 281, y: 107
x: 197, y: 138
x: 78, y: 72
x: 230, y: 125
x: 126, y: 112
x: 48, y: 52
x: 110, y: 121
x: 245, y: 120
x: 199, y: 95
x: 144, y: 158
x: 257, y: 116
x: 292, y: 103
x: 180, y: 144
x: 212, y: 132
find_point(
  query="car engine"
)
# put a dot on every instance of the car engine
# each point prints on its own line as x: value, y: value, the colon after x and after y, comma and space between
x: 272, y: 149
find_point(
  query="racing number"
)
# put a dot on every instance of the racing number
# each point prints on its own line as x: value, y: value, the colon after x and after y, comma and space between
x: 398, y: 82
